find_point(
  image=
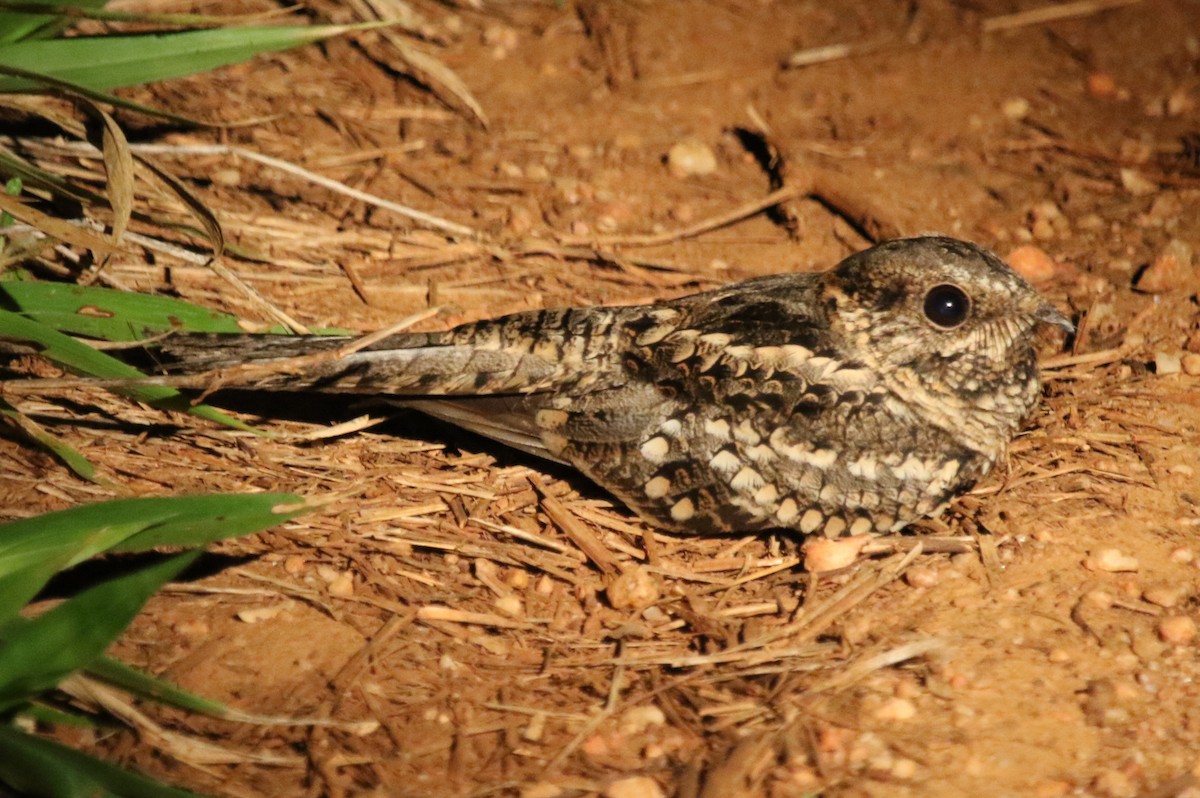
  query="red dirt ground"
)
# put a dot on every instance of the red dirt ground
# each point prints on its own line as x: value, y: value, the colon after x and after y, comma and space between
x: 1020, y: 666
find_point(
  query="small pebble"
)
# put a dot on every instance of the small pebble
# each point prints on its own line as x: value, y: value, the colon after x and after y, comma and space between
x: 536, y: 728
x: 822, y: 554
x: 922, y: 576
x: 1102, y: 85
x: 342, y: 586
x: 1110, y: 561
x: 510, y: 605
x: 1032, y: 263
x: 896, y: 709
x: 541, y: 789
x: 689, y: 158
x: 227, y: 177
x: 1183, y: 555
x: 1114, y: 784
x: 1170, y: 270
x: 544, y: 586
x: 634, y: 787
x: 633, y: 589
x: 510, y: 169
x: 638, y: 719
x: 1167, y: 363
x: 1190, y: 363
x: 1178, y: 630
x: 260, y: 614
x: 1015, y: 108
x: 1137, y: 183
x: 1179, y: 102
x: 294, y: 565
x: 1059, y: 656
x: 903, y: 769
x: 1163, y: 595
x: 517, y: 579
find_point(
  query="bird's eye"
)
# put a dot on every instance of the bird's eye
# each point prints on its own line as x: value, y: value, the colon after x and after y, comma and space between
x: 947, y: 305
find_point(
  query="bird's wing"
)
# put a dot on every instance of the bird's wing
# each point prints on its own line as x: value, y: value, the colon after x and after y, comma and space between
x: 766, y: 342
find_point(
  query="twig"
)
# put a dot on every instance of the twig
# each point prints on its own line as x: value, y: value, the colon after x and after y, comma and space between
x: 1051, y: 13
x: 293, y: 169
x: 703, y: 226
x: 823, y: 54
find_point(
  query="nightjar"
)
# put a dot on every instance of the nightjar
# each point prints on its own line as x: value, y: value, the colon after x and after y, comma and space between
x: 850, y: 401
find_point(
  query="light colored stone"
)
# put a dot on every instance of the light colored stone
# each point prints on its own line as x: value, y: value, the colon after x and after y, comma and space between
x: 1110, y: 561
x: 635, y: 588
x: 634, y: 787
x: 691, y: 158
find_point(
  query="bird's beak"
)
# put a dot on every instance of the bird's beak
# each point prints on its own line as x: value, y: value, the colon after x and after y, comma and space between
x: 1048, y: 314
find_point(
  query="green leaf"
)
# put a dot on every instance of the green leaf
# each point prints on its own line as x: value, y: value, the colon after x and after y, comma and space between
x: 37, y: 655
x: 15, y: 26
x: 98, y: 312
x: 83, y: 359
x: 18, y: 587
x: 108, y: 62
x: 43, y: 713
x: 33, y: 766
x: 33, y: 550
x: 68, y: 454
x: 144, y: 685
x: 72, y: 536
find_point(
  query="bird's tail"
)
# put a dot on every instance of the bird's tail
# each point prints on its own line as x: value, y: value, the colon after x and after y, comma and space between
x: 407, y: 364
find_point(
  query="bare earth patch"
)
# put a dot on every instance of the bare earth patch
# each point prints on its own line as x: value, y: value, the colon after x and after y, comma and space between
x: 475, y: 623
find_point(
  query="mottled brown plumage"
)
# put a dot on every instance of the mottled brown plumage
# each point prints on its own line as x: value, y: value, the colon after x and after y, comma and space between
x: 849, y: 401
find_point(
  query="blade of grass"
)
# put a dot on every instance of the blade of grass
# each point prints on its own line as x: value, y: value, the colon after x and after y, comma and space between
x: 36, y: 177
x: 143, y: 685
x: 18, y: 25
x: 63, y: 231
x: 38, y: 654
x: 75, y: 11
x: 80, y: 358
x: 118, y: 167
x: 68, y: 454
x: 42, y: 82
x: 41, y: 713
x: 132, y: 525
x: 33, y: 766
x: 102, y: 63
x: 112, y: 315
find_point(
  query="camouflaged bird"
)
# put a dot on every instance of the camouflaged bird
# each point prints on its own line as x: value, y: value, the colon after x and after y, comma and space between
x: 850, y: 401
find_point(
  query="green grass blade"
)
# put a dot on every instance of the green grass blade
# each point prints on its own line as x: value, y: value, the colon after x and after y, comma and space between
x: 35, y: 177
x: 68, y: 454
x: 33, y: 550
x: 112, y: 315
x: 102, y: 63
x: 146, y: 686
x: 33, y: 766
x: 83, y: 359
x: 18, y: 587
x: 53, y: 716
x: 37, y: 655
x: 138, y: 525
x: 18, y: 25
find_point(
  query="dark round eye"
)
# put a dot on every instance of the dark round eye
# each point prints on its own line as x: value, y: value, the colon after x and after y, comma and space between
x: 947, y: 305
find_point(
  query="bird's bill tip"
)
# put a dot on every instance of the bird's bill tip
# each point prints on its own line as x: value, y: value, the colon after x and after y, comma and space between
x: 1048, y: 314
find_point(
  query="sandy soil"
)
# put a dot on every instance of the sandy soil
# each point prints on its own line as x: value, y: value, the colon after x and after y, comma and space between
x: 1023, y: 659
